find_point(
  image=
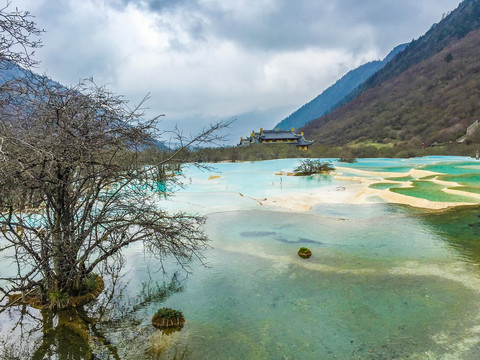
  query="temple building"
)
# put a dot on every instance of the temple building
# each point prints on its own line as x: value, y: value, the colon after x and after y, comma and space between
x: 276, y: 136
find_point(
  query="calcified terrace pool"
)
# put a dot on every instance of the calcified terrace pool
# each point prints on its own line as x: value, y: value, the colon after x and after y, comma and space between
x: 394, y: 272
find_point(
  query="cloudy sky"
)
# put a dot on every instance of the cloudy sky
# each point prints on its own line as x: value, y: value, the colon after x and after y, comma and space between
x: 208, y: 60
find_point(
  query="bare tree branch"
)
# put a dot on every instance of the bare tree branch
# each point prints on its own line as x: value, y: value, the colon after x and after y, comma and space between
x: 75, y: 189
x: 19, y: 37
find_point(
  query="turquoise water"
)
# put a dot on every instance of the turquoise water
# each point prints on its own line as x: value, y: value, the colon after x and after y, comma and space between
x: 432, y: 163
x: 384, y: 281
x: 432, y: 192
x: 475, y: 190
x: 354, y: 298
x: 460, y: 167
x: 256, y: 179
x: 382, y: 186
x: 467, y: 179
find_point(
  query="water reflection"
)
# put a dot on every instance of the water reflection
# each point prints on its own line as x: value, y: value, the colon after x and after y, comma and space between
x: 393, y: 288
x: 66, y: 336
x: 99, y: 330
x: 459, y: 227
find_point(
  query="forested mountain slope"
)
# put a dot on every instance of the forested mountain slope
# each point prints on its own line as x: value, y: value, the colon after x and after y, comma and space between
x: 461, y: 21
x: 327, y: 100
x: 433, y: 101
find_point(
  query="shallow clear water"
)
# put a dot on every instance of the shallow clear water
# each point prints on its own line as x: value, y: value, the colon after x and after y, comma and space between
x: 404, y: 165
x: 257, y: 179
x: 384, y: 281
x: 467, y: 179
x: 378, y: 284
x: 382, y: 186
x: 432, y: 192
x: 356, y: 297
x: 472, y: 189
x: 461, y: 167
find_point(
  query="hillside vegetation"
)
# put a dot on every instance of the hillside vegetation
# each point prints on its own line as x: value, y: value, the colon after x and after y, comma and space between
x: 428, y: 93
x: 433, y: 101
x: 456, y: 25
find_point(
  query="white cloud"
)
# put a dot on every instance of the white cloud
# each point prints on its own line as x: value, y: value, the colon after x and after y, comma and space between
x: 204, y: 60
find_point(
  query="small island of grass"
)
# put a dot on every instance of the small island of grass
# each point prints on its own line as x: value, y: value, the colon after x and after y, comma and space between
x: 167, y: 318
x: 309, y: 167
x: 304, y: 253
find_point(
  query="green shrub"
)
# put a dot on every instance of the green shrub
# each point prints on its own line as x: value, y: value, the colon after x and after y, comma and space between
x: 349, y: 160
x: 58, y: 299
x: 167, y: 313
x: 309, y: 167
x: 89, y: 283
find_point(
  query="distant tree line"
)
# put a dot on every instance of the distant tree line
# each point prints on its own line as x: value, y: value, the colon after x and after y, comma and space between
x: 369, y: 149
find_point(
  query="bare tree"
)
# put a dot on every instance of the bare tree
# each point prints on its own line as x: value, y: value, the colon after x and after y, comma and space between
x: 19, y: 37
x: 74, y: 191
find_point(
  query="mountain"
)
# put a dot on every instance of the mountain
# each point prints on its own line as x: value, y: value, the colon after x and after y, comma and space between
x: 427, y: 93
x: 433, y: 101
x: 10, y: 71
x: 464, y: 19
x: 325, y: 102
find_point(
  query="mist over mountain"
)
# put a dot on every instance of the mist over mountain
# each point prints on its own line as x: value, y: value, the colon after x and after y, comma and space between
x: 11, y: 72
x: 328, y: 100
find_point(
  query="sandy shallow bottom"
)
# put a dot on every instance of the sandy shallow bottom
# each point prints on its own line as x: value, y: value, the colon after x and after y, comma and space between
x: 352, y: 193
